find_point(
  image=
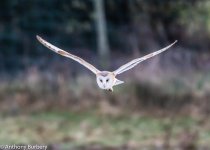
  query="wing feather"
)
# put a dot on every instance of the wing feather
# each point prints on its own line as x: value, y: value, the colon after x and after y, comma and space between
x: 66, y: 54
x: 136, y: 61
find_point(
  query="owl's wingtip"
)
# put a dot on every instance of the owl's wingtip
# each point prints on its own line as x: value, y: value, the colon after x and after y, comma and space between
x: 38, y: 37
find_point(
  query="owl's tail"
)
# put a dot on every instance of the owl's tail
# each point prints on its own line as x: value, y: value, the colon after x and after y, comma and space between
x: 117, y: 82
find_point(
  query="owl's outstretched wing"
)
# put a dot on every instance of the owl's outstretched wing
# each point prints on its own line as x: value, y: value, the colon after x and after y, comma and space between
x: 136, y: 61
x: 66, y: 54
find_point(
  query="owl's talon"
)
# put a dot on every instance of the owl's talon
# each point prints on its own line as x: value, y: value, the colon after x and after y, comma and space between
x: 110, y: 90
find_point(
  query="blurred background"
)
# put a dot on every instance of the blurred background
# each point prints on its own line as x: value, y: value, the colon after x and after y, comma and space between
x: 51, y: 100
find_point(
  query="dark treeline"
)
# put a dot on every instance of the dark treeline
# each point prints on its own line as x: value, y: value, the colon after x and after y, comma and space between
x: 131, y: 25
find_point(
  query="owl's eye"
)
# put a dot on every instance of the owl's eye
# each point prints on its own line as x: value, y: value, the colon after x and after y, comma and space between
x: 107, y: 80
x: 100, y: 80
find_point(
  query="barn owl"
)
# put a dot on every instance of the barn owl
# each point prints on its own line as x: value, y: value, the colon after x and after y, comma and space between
x: 105, y: 79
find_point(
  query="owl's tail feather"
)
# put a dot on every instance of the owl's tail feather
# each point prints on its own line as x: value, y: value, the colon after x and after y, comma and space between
x: 117, y: 82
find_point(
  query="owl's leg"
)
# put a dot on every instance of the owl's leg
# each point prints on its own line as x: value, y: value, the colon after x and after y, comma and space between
x: 110, y: 90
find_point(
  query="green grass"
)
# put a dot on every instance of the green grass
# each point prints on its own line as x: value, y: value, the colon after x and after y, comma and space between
x: 67, y: 128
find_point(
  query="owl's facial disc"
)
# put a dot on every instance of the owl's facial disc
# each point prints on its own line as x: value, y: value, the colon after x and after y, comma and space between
x: 104, y: 81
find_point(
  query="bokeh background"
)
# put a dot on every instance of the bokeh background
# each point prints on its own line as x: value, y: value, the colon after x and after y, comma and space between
x: 51, y: 100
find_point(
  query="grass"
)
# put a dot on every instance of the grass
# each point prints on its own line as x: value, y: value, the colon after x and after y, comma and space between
x: 67, y: 128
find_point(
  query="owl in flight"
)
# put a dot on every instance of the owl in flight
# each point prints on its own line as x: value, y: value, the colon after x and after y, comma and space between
x: 105, y: 79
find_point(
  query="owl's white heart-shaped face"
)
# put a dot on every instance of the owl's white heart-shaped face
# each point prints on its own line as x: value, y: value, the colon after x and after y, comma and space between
x: 105, y: 80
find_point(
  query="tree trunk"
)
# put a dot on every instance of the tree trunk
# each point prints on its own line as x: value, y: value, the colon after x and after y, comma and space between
x: 102, y: 40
